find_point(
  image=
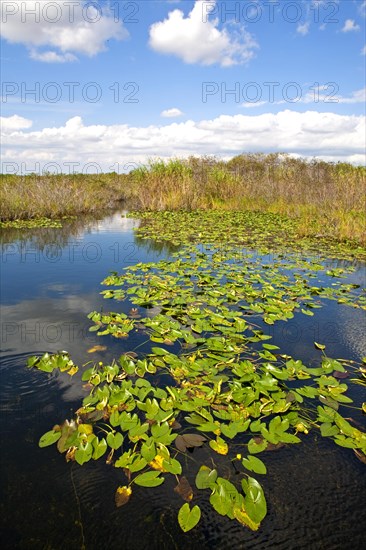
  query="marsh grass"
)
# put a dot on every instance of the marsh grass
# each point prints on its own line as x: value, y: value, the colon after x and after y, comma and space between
x: 54, y: 196
x: 327, y: 199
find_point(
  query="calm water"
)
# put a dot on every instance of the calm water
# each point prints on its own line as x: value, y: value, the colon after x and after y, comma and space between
x: 50, y: 282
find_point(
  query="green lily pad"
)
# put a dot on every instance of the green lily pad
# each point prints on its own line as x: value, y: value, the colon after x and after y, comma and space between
x: 188, y: 518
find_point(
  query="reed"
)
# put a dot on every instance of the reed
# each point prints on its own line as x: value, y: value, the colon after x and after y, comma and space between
x: 326, y: 198
x: 53, y: 196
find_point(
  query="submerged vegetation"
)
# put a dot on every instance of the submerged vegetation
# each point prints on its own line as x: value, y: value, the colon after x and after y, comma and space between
x: 325, y: 198
x: 210, y: 395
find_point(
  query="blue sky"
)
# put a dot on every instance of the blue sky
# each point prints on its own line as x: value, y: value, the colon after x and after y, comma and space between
x: 119, y: 82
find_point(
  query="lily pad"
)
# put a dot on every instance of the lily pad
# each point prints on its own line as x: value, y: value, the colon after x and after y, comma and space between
x: 188, y: 518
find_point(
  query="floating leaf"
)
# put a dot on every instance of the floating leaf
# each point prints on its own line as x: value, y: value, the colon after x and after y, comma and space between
x: 338, y: 374
x: 319, y: 346
x: 220, y: 446
x: 99, y: 448
x: 158, y: 463
x: 115, y: 440
x: 137, y: 464
x: 85, y: 429
x: 160, y: 351
x: 97, y: 348
x: 172, y: 466
x: 122, y: 496
x: 257, y: 445
x: 220, y: 499
x: 69, y: 436
x: 49, y: 438
x: 254, y: 464
x: 242, y: 517
x: 188, y: 518
x: 328, y: 430
x: 255, y: 502
x: 73, y: 370
x: 84, y: 453
x: 330, y: 402
x: 229, y: 430
x: 92, y: 416
x: 183, y: 442
x: 184, y: 489
x: 148, y: 450
x: 277, y: 446
x: 32, y: 361
x: 205, y: 477
x: 149, y: 479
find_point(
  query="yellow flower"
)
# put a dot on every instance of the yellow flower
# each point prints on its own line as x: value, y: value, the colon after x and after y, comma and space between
x: 300, y: 427
x: 238, y: 456
x: 157, y: 463
x: 124, y: 490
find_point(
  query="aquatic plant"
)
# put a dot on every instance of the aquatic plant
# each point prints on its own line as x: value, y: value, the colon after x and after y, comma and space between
x: 34, y: 223
x: 209, y: 386
x: 325, y: 198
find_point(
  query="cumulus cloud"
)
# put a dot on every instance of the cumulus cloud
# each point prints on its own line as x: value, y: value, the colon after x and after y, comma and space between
x: 197, y: 39
x: 15, y: 122
x: 171, y: 113
x: 350, y: 26
x: 324, y: 135
x: 68, y: 28
x: 303, y: 28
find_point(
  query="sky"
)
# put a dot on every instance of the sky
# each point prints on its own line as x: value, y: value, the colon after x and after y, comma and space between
x: 108, y: 85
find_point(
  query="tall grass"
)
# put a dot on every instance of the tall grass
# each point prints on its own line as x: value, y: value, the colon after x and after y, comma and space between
x: 54, y: 196
x: 326, y: 198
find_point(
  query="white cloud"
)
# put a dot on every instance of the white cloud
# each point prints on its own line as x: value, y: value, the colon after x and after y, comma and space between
x: 350, y: 26
x: 68, y: 28
x: 322, y: 94
x: 303, y: 29
x: 324, y: 135
x: 52, y: 57
x: 363, y: 51
x: 15, y: 122
x: 196, y: 39
x: 359, y: 96
x: 251, y: 104
x: 171, y: 113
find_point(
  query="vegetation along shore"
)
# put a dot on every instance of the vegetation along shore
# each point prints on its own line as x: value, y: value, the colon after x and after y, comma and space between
x: 326, y: 199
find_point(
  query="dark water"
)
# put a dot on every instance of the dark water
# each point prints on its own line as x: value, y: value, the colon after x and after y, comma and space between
x: 50, y: 282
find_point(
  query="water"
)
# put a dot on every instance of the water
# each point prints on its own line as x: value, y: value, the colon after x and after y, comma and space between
x: 50, y: 282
